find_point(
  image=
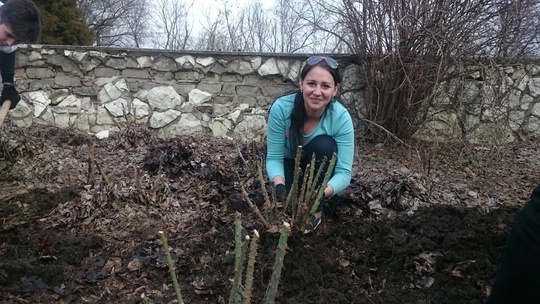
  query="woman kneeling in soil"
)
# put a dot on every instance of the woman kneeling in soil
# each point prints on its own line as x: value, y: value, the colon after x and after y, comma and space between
x: 313, y: 118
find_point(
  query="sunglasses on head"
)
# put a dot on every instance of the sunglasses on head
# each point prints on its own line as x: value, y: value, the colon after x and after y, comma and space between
x: 313, y: 60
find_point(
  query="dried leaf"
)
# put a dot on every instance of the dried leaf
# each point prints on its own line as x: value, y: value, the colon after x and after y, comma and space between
x: 134, y: 265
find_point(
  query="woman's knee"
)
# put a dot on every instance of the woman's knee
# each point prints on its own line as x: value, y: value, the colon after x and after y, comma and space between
x: 322, y: 146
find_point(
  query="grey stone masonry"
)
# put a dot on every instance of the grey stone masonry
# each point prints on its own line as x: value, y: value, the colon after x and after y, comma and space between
x: 228, y: 94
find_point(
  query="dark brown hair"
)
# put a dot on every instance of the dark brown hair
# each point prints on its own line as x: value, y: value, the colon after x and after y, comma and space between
x: 24, y: 19
x: 298, y: 114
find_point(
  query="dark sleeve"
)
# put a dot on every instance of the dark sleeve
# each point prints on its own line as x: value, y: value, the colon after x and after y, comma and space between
x: 518, y: 277
x: 7, y: 66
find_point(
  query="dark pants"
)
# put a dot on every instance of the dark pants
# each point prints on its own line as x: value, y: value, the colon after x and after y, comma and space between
x: 322, y: 146
x: 518, y: 278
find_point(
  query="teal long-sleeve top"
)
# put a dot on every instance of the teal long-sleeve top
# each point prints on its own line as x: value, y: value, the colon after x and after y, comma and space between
x: 335, y: 122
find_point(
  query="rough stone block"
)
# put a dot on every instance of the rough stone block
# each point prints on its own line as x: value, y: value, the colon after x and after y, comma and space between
x: 132, y: 73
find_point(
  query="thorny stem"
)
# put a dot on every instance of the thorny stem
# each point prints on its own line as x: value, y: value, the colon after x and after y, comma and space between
x: 246, y: 163
x: 91, y: 151
x: 310, y: 181
x: 254, y: 208
x: 297, y: 212
x: 278, y: 264
x: 251, y: 268
x: 138, y: 186
x: 267, y: 202
x: 324, y: 183
x: 318, y: 175
x: 292, y: 198
x: 103, y: 175
x: 91, y: 163
x: 234, y: 297
x: 171, y: 267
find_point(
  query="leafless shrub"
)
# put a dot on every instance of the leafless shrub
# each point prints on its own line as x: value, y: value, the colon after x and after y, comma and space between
x: 411, y: 48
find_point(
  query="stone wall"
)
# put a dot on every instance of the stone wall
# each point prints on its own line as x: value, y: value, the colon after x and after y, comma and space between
x: 487, y: 104
x: 95, y: 89
x: 228, y: 94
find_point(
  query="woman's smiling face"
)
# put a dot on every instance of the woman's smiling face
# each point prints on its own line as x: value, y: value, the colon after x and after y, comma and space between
x: 318, y: 89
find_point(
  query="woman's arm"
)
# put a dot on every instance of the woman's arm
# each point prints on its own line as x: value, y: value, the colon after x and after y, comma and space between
x: 345, y: 145
x: 275, y: 143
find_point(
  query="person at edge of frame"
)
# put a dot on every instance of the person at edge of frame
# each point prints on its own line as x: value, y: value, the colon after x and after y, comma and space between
x: 518, y: 278
x: 20, y: 22
x: 312, y: 117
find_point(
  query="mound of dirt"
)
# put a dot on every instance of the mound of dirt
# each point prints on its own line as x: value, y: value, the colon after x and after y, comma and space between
x: 424, y: 223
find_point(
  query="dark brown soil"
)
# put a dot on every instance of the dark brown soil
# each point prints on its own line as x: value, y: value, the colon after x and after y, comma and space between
x: 421, y: 223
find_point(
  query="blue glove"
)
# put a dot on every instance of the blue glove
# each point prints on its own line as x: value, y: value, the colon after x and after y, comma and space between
x: 9, y: 92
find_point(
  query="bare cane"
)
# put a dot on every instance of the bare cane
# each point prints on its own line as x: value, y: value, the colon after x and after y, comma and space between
x: 4, y: 110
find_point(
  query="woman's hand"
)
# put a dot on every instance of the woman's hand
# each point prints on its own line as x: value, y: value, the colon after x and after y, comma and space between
x: 281, y: 192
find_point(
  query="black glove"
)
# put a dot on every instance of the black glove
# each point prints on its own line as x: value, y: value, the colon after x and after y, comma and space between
x: 9, y: 92
x: 322, y: 203
x: 281, y: 192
